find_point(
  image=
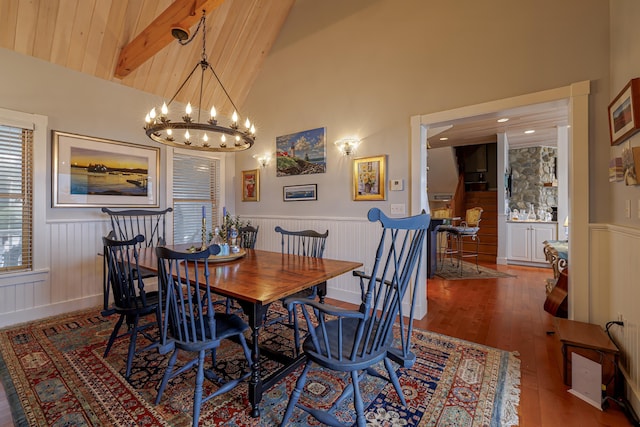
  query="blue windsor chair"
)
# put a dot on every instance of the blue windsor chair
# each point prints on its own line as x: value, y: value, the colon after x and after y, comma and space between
x: 191, y: 324
x: 130, y: 299
x: 355, y: 340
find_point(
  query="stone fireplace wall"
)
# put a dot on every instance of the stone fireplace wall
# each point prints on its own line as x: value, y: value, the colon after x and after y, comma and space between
x: 533, y: 179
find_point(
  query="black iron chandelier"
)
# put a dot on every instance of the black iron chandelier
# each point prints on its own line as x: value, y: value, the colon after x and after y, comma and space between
x: 199, y: 134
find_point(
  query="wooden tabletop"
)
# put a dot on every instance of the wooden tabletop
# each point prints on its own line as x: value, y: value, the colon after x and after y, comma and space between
x: 264, y: 277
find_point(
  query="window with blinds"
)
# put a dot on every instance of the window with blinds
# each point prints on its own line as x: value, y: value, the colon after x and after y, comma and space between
x: 196, y: 184
x: 16, y: 189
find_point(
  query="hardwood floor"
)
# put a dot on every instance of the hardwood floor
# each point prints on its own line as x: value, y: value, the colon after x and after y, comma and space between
x: 507, y: 314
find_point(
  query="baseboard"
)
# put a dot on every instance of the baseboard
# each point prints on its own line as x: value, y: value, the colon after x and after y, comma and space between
x: 41, y: 312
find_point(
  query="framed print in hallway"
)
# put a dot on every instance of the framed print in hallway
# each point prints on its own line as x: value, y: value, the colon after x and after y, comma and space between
x: 369, y: 178
x: 624, y: 113
x: 97, y: 172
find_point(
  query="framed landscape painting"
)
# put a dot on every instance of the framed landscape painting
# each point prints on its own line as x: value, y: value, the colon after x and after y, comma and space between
x: 96, y: 172
x: 295, y: 193
x: 301, y: 153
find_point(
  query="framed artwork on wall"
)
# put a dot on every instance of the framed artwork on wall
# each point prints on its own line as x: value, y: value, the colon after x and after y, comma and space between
x: 369, y: 178
x: 251, y: 185
x: 301, y: 153
x: 96, y: 172
x: 624, y: 112
x: 295, y: 193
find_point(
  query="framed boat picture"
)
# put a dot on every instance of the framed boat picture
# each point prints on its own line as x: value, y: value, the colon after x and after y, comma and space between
x: 97, y: 172
x: 624, y: 113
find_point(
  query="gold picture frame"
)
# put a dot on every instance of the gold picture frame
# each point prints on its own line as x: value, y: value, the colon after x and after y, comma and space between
x: 369, y: 178
x: 251, y: 185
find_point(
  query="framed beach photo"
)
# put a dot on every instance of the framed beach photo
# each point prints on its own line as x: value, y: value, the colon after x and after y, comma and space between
x: 369, y: 178
x: 96, y: 172
x: 296, y: 193
x: 251, y: 185
x: 624, y: 113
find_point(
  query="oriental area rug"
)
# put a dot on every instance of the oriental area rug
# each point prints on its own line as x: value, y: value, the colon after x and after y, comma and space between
x: 451, y: 271
x: 54, y: 374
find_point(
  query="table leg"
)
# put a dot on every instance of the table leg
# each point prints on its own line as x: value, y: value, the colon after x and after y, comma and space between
x: 255, y: 313
x: 322, y: 292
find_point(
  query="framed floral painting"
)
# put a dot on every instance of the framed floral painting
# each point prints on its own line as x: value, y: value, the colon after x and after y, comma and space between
x: 369, y: 178
x: 251, y: 185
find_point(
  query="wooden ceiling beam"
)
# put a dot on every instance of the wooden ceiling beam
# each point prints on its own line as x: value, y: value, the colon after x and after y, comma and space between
x: 181, y: 13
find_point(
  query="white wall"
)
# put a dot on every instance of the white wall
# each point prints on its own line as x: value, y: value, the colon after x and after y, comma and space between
x: 615, y: 246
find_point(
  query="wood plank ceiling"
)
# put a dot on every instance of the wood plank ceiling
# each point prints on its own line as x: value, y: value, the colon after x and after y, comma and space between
x: 89, y: 36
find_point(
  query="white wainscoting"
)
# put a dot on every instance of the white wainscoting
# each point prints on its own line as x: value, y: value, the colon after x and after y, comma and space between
x: 73, y: 280
x: 352, y: 239
x: 615, y: 292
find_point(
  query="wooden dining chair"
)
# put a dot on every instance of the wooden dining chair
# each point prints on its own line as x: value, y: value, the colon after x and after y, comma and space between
x: 129, y: 223
x: 353, y: 341
x: 305, y: 243
x: 248, y: 236
x: 131, y: 301
x: 191, y: 325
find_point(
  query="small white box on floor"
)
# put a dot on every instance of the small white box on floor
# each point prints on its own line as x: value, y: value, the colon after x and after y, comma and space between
x: 586, y: 380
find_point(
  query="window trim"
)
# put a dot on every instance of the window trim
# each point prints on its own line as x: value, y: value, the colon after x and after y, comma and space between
x: 41, y: 179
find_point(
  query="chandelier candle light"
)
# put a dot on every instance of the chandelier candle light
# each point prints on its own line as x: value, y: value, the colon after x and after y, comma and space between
x: 198, y: 133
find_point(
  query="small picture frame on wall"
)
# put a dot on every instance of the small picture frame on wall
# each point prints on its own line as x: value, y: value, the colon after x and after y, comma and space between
x: 251, y: 185
x: 296, y: 193
x: 624, y: 113
x: 369, y: 178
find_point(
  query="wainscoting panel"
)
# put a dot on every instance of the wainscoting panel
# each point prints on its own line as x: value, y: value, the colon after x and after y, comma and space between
x: 72, y: 281
x: 74, y: 277
x: 615, y: 293
x: 353, y: 239
x: 349, y: 239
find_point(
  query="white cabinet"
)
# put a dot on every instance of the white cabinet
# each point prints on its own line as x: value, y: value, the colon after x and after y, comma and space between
x: 524, y: 244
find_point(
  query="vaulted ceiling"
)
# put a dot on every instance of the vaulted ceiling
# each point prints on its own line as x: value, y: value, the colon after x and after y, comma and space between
x: 130, y: 42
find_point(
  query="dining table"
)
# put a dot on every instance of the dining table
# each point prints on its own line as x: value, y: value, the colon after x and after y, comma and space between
x: 256, y: 279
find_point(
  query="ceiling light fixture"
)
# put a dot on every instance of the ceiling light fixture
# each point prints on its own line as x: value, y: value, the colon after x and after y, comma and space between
x: 502, y: 120
x: 444, y: 138
x: 199, y: 133
x: 529, y: 131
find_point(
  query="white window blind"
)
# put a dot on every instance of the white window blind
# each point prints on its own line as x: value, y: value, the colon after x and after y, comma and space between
x: 16, y: 213
x: 196, y: 183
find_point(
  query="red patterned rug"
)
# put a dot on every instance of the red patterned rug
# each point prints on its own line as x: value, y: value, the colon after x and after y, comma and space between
x: 54, y: 374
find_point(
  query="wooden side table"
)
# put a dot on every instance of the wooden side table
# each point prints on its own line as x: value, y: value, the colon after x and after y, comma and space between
x: 590, y: 341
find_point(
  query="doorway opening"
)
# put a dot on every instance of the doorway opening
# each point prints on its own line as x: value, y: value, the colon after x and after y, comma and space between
x: 575, y: 97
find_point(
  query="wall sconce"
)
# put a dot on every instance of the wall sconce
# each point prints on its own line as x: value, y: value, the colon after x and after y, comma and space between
x: 566, y: 228
x: 263, y: 159
x: 347, y: 146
